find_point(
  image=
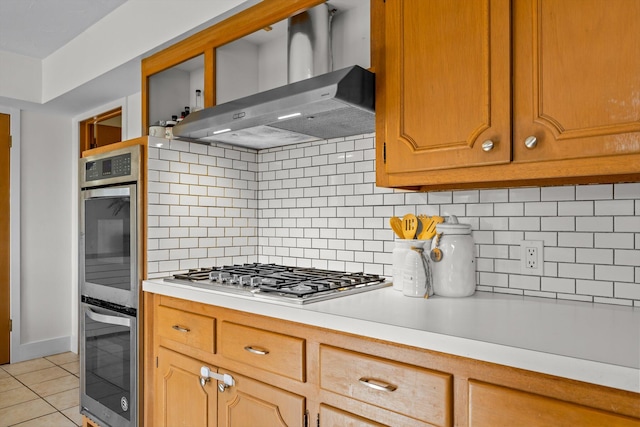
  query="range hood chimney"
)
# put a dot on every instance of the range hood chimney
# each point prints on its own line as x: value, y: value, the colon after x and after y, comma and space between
x: 316, y: 104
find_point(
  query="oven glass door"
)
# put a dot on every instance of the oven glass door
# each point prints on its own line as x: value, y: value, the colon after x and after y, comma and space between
x: 108, y: 244
x: 108, y: 364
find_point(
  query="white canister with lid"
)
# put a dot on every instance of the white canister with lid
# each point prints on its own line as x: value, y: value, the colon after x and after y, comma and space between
x: 453, y: 259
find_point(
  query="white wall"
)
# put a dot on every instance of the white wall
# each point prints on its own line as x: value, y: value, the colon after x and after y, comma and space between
x: 46, y: 228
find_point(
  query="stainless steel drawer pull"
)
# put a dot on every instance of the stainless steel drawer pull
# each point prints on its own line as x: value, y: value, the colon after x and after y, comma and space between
x: 377, y: 384
x: 180, y: 328
x: 259, y: 351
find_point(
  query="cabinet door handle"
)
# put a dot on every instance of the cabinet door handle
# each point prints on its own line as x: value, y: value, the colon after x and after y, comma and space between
x: 258, y: 351
x: 377, y: 384
x: 531, y: 142
x: 180, y: 328
x: 487, y: 145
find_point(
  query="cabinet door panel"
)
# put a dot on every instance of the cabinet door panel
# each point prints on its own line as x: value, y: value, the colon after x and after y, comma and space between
x: 182, y: 401
x: 253, y: 403
x: 447, y: 81
x: 576, y: 85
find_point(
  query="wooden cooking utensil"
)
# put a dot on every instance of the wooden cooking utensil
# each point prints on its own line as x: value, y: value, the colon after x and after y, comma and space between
x: 427, y: 223
x: 409, y: 226
x: 396, y: 226
x: 431, y: 230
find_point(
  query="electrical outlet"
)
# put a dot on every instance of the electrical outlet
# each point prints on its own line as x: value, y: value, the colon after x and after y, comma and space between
x: 531, y: 257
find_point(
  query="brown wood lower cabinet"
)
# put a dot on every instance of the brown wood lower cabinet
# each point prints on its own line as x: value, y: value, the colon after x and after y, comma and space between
x: 253, y: 403
x: 180, y: 399
x: 291, y: 374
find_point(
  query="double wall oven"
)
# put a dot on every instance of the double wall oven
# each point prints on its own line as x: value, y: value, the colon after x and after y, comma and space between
x: 110, y: 273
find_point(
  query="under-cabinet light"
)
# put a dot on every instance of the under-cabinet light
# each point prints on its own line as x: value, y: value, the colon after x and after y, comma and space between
x: 288, y: 116
x: 221, y: 131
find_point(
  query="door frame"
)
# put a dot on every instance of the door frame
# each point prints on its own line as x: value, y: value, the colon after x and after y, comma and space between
x: 14, y: 232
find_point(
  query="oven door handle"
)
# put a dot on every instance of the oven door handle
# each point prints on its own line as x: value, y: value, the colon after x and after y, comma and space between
x: 112, y: 320
x: 94, y: 193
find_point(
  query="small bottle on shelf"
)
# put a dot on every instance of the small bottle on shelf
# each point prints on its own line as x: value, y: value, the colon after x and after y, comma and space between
x: 198, y: 105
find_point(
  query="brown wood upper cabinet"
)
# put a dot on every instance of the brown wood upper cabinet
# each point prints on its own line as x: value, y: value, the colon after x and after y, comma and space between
x: 494, y: 93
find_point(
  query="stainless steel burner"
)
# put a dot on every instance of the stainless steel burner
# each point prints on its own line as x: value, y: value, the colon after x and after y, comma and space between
x: 281, y: 283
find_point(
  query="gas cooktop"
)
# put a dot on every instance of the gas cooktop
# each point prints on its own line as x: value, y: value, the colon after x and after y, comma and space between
x: 295, y: 285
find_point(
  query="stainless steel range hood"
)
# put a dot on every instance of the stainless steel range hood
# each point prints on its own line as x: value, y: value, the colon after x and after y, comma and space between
x: 316, y: 104
x: 332, y: 105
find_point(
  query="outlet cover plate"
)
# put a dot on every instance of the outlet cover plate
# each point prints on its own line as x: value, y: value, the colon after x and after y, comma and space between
x: 532, y: 257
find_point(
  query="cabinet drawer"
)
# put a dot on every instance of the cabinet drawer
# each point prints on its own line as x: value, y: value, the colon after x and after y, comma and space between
x: 415, y: 392
x: 281, y: 354
x: 491, y: 405
x: 191, y: 329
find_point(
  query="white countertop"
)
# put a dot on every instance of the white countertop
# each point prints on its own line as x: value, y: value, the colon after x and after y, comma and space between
x: 595, y: 343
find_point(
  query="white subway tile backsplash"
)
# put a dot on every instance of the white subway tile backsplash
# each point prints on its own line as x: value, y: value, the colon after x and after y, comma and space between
x: 614, y: 240
x: 614, y: 207
x: 627, y: 257
x: 524, y: 223
x: 594, y: 288
x: 563, y: 285
x: 628, y: 224
x: 594, y: 256
x: 594, y: 192
x: 575, y: 271
x: 614, y: 273
x: 557, y: 193
x: 627, y: 290
x: 576, y: 240
x: 524, y: 194
x: 316, y: 204
x: 540, y: 209
x: 558, y: 223
x: 597, y: 224
x: 575, y: 208
x: 531, y: 283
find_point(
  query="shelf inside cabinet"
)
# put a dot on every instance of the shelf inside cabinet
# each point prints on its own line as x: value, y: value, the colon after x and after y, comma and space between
x: 173, y: 89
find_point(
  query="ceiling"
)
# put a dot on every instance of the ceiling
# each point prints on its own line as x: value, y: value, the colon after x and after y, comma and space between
x: 37, y: 28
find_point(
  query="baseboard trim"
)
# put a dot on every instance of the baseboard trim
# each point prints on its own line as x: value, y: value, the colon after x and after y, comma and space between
x: 43, y: 348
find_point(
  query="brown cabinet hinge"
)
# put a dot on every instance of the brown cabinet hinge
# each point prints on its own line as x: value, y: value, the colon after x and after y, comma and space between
x: 10, y: 141
x: 10, y: 325
x: 156, y: 361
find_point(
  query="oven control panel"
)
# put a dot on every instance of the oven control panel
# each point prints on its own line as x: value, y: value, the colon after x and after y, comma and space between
x: 110, y: 167
x: 118, y: 166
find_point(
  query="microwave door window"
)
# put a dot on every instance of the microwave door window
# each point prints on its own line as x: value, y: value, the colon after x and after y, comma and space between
x: 108, y: 242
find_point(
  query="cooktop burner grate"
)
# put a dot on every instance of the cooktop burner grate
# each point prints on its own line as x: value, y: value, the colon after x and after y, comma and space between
x: 293, y: 284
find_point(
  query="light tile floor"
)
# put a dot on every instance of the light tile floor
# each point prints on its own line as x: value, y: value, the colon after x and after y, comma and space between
x: 41, y: 392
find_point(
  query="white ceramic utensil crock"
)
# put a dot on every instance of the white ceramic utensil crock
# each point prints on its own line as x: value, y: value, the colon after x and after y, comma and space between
x: 402, y: 247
